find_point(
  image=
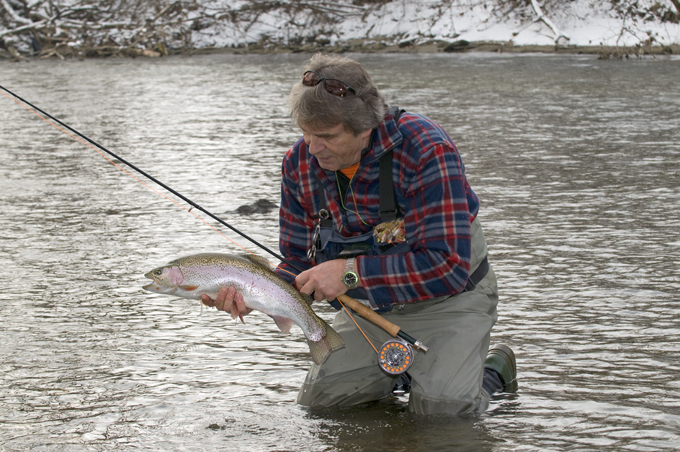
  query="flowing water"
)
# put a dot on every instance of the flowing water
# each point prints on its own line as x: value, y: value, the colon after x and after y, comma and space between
x: 577, y: 165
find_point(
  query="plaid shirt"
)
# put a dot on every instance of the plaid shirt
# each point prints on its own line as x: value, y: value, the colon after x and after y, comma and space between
x: 433, y: 195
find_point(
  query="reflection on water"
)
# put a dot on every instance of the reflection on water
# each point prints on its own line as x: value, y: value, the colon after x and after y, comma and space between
x: 576, y: 162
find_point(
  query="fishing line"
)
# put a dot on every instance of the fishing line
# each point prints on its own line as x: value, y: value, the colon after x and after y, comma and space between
x: 94, y: 145
x: 349, y: 313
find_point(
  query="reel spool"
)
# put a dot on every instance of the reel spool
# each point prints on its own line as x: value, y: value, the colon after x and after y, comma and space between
x: 395, y: 356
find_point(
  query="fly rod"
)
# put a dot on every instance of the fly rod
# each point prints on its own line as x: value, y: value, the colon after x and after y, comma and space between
x: 153, y: 179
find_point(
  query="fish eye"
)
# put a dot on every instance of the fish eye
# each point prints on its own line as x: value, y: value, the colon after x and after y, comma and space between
x: 157, y: 272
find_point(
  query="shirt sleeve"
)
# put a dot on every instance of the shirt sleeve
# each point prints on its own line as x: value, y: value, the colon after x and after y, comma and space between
x: 437, y: 224
x: 296, y: 225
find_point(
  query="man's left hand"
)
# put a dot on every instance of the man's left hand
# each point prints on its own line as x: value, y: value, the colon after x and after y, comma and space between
x: 324, y: 280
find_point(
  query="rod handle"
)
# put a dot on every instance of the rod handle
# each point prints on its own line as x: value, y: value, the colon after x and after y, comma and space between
x: 369, y: 314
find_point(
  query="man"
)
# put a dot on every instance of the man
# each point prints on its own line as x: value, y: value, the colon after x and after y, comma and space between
x: 413, y: 250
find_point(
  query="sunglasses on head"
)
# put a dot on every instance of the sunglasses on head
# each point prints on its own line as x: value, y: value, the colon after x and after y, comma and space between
x: 332, y: 86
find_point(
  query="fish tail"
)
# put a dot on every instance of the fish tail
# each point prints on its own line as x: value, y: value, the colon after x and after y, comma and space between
x: 322, y: 349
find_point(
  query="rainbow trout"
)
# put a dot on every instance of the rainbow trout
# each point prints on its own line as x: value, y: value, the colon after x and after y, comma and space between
x: 262, y: 290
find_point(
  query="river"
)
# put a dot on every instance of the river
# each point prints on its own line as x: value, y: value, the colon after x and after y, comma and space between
x: 577, y: 165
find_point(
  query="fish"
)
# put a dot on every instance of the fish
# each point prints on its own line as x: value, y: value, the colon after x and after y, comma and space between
x: 262, y: 289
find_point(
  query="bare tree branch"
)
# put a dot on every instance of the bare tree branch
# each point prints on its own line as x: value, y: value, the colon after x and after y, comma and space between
x: 30, y: 26
x: 542, y: 17
x: 676, y: 3
x: 13, y: 13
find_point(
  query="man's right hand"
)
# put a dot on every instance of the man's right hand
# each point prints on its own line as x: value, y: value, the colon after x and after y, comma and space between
x: 228, y: 300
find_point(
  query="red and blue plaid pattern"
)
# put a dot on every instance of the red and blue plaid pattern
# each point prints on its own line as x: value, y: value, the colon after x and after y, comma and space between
x: 433, y: 195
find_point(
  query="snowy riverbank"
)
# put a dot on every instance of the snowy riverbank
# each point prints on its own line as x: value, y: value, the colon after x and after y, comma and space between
x: 576, y: 23
x: 157, y: 27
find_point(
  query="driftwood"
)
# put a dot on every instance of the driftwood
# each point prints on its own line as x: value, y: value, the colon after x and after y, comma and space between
x: 91, y: 28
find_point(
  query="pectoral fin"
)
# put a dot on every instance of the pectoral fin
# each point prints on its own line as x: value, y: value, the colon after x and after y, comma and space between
x: 188, y: 288
x: 283, y: 323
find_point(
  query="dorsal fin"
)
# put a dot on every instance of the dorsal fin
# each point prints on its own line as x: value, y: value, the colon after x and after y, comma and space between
x: 259, y: 261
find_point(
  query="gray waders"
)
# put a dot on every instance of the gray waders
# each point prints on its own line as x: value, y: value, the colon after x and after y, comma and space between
x: 446, y: 379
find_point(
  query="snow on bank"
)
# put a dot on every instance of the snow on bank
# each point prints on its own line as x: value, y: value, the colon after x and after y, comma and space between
x: 159, y: 27
x: 579, y: 22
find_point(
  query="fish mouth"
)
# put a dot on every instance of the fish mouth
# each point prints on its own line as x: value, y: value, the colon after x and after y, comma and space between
x: 159, y: 288
x: 151, y: 287
x: 154, y: 286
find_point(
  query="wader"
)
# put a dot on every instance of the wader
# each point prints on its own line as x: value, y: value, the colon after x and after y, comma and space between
x: 449, y: 377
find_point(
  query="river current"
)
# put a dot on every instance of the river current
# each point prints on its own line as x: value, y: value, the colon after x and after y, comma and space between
x: 577, y: 165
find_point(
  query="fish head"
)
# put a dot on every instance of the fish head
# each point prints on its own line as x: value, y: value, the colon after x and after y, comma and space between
x: 166, y: 279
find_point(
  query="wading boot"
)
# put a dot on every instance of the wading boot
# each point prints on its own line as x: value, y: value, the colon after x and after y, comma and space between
x: 501, y: 359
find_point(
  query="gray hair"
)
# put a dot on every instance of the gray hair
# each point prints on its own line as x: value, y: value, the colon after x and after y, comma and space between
x: 319, y: 109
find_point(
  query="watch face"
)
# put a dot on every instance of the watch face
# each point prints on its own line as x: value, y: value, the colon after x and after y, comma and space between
x: 350, y: 279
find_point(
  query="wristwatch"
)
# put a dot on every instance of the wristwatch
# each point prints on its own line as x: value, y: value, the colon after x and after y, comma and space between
x: 350, y: 278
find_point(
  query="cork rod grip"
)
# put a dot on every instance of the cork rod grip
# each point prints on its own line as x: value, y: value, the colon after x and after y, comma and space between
x: 369, y: 315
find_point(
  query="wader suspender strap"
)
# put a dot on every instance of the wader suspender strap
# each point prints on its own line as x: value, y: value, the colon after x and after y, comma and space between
x: 388, y: 206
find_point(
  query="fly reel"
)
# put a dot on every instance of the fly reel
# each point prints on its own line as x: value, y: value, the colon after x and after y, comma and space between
x: 395, y: 356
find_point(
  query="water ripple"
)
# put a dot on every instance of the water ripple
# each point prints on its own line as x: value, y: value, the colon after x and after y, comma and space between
x: 576, y: 164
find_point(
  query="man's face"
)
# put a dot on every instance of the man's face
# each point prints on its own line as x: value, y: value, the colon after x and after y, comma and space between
x: 335, y: 148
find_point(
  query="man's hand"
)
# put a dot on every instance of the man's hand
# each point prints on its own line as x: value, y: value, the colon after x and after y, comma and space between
x: 325, y: 280
x: 228, y: 300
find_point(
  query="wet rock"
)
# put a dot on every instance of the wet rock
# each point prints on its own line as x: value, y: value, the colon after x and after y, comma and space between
x: 407, y: 43
x: 458, y: 46
x: 259, y: 206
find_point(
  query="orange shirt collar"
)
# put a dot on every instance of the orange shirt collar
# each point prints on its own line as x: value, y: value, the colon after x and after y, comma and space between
x: 349, y: 172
